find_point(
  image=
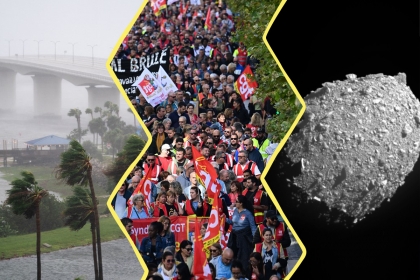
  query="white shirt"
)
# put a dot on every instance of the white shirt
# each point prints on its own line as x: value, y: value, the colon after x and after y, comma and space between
x: 120, y: 205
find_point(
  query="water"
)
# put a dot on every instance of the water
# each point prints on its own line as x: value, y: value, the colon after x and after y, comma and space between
x: 20, y: 126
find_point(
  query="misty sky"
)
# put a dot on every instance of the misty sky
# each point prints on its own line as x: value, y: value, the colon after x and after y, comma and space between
x: 87, y: 22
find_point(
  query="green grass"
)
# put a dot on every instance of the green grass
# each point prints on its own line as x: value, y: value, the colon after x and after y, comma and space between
x: 46, y: 179
x: 62, y: 238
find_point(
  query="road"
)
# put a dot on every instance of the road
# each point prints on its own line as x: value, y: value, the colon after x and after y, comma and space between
x: 119, y: 262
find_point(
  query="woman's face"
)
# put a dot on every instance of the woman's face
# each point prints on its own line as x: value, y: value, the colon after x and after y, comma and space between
x: 162, y: 199
x: 203, y: 230
x: 190, y: 110
x: 214, y: 252
x: 168, y: 109
x: 253, y: 261
x: 169, y: 262
x: 171, y: 199
x: 187, y: 250
x: 233, y: 188
x: 209, y: 114
x: 166, y: 225
x: 268, y: 236
x: 222, y: 119
x: 152, y: 232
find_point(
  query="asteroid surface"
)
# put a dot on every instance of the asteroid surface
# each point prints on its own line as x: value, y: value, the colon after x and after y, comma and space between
x: 357, y: 141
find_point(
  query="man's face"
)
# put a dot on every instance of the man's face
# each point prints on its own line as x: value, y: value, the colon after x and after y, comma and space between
x: 188, y: 154
x: 128, y: 227
x: 179, y: 155
x: 206, y: 88
x: 224, y: 176
x: 182, y: 109
x: 161, y: 112
x: 226, y: 258
x: 242, y: 158
x: 216, y: 135
x: 193, y: 194
x: 193, y: 179
x: 247, y: 175
x: 272, y: 221
x: 193, y: 134
x: 221, y: 159
x: 182, y: 121
x: 234, y: 139
x: 205, y: 152
x: 178, y: 144
x: 179, y: 97
x: 249, y: 184
x: 227, y: 132
x: 171, y: 133
x: 209, y: 142
x: 248, y: 144
x: 150, y: 160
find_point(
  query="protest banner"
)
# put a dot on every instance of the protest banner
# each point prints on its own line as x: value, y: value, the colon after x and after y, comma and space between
x: 150, y: 88
x: 129, y: 70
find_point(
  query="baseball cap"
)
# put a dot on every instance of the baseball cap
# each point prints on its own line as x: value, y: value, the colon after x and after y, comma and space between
x: 165, y: 147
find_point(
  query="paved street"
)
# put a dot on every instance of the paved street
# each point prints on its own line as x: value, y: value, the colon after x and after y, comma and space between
x: 119, y: 262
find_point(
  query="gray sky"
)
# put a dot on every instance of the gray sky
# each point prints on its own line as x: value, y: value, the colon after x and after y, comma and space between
x: 87, y: 22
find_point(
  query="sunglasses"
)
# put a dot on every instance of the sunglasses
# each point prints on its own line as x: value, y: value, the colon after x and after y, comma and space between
x: 233, y: 138
x: 213, y: 251
x: 209, y: 143
x: 170, y: 261
x: 193, y: 133
x: 188, y: 249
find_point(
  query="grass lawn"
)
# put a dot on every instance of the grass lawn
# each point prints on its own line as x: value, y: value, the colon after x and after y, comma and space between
x: 62, y: 238
x: 45, y: 177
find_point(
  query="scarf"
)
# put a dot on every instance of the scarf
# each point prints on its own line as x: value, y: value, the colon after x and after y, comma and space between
x: 168, y: 273
x: 159, y: 141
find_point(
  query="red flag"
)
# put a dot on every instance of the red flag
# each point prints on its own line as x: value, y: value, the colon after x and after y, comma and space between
x: 244, y: 85
x: 207, y: 23
x: 206, y: 175
x: 195, y: 14
x: 145, y: 187
x: 158, y: 6
x: 212, y: 234
x: 201, y: 269
x: 162, y: 25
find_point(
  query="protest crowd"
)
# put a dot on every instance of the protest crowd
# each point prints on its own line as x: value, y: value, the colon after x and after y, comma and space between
x: 194, y: 205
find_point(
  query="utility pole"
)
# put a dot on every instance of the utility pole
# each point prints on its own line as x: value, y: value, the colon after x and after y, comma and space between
x: 55, y: 49
x: 73, y: 48
x: 38, y: 41
x: 92, y: 52
x: 23, y: 47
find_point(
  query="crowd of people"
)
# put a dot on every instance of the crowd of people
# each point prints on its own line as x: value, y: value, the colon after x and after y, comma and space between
x: 208, y: 115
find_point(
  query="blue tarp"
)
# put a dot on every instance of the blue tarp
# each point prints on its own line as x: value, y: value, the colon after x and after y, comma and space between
x: 49, y: 140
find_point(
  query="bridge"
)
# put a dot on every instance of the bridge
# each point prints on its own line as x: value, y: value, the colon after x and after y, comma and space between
x: 47, y: 72
x: 24, y: 155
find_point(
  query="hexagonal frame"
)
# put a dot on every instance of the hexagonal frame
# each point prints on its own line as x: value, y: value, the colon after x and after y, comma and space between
x: 149, y: 138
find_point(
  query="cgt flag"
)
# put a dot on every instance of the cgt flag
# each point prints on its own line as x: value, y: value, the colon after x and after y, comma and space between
x: 201, y: 269
x: 245, y: 85
x: 207, y: 23
x: 145, y: 188
x: 212, y: 234
x: 207, y: 176
x: 158, y: 6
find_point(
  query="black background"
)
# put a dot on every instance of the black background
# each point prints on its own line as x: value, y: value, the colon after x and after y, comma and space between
x: 322, y: 41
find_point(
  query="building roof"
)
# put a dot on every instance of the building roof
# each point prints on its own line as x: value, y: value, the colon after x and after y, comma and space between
x: 49, y: 140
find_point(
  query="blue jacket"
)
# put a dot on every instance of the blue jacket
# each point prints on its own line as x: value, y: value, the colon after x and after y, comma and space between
x: 146, y: 246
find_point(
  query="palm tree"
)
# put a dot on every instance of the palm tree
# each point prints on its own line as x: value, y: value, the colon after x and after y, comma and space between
x: 89, y: 111
x: 24, y: 197
x: 80, y: 210
x: 76, y: 113
x: 115, y: 109
x: 75, y: 168
x: 98, y: 110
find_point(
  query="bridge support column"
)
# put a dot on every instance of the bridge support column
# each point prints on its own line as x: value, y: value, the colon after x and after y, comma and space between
x: 7, y: 89
x: 97, y: 96
x: 47, y: 95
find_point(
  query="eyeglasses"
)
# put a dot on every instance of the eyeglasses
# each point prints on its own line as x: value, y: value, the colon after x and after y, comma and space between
x: 233, y: 138
x: 188, y: 249
x: 170, y: 261
x: 141, y: 200
x: 241, y: 156
x: 150, y: 160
